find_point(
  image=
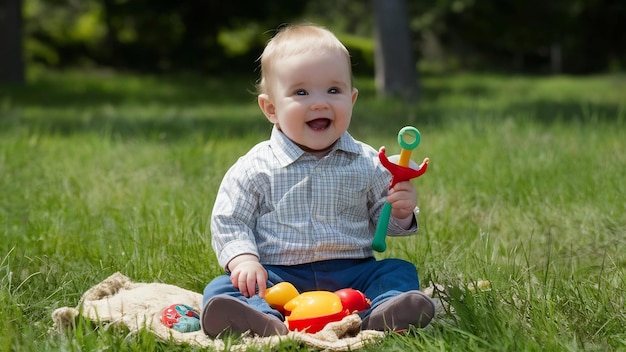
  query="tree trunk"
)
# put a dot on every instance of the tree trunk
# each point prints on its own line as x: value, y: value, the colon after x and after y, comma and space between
x: 395, y: 67
x: 556, y: 58
x: 11, y: 56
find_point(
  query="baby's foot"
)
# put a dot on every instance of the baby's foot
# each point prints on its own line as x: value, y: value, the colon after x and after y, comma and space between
x: 222, y: 313
x: 398, y: 313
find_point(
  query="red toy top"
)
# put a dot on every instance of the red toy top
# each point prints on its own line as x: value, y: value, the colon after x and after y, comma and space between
x: 401, y: 173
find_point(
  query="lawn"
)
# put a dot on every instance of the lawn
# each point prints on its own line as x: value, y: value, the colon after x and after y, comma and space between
x: 104, y: 172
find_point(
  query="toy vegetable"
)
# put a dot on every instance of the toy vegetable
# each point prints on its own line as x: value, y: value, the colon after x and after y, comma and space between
x: 408, y: 139
x: 181, y: 317
x: 311, y: 311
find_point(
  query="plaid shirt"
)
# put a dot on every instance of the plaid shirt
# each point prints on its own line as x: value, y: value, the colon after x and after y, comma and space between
x: 287, y: 207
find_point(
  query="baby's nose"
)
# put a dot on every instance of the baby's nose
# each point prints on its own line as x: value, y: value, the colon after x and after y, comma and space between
x: 319, y: 103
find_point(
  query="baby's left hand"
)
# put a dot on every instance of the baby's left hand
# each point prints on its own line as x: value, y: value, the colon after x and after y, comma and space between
x: 403, y: 200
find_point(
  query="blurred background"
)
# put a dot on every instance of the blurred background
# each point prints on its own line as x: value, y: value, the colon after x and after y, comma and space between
x: 409, y: 38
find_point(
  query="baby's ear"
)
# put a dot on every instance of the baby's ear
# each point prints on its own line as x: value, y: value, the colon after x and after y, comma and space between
x: 355, y: 94
x: 267, y: 107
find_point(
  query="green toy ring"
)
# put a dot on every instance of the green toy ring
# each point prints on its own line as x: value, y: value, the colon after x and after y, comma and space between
x: 413, y: 133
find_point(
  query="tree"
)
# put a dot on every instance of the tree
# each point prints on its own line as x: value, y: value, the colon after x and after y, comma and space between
x: 165, y: 35
x: 11, y: 56
x: 396, y: 72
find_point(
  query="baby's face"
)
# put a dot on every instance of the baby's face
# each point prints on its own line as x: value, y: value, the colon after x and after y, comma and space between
x: 312, y: 97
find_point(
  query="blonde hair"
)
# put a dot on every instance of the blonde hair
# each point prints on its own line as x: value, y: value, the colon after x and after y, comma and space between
x: 295, y: 40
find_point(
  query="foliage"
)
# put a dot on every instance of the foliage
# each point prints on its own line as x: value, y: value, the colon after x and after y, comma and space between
x: 216, y: 36
x: 147, y: 35
x: 108, y: 172
x: 522, y: 36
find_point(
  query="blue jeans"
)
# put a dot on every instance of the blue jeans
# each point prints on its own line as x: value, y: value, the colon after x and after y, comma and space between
x: 379, y: 280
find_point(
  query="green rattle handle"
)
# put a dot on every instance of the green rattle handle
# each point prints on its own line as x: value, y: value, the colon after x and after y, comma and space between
x: 378, y: 244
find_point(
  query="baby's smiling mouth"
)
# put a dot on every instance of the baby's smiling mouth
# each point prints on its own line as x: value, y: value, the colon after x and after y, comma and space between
x: 319, y: 124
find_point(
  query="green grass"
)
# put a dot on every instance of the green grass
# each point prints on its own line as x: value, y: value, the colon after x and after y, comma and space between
x: 104, y: 172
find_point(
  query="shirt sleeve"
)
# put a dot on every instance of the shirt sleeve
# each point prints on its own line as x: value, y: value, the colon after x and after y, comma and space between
x: 233, y: 216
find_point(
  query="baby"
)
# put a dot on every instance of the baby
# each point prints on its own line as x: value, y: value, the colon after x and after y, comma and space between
x: 303, y: 206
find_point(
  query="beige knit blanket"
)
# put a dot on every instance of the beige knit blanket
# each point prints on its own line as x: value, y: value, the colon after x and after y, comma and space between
x: 119, y: 300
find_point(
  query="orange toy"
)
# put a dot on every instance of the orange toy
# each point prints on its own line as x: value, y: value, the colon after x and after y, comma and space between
x: 311, y: 311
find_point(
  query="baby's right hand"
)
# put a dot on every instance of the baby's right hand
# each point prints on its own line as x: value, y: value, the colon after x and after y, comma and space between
x: 248, y: 275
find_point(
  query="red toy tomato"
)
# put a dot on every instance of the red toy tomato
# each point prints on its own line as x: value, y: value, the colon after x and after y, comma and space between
x: 353, y: 300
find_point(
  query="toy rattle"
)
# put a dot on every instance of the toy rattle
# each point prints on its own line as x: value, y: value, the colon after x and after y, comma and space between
x: 408, y: 139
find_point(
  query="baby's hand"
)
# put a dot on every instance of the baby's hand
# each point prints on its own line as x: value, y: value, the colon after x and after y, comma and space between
x: 248, y: 276
x: 403, y: 200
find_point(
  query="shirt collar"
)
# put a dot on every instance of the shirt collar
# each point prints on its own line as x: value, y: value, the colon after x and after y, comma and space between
x: 288, y: 152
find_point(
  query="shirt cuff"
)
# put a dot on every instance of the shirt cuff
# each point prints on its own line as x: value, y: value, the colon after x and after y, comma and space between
x: 397, y: 230
x: 233, y: 249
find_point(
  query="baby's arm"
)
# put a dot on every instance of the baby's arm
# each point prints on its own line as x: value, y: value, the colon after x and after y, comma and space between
x: 232, y: 231
x: 403, y: 199
x: 247, y: 274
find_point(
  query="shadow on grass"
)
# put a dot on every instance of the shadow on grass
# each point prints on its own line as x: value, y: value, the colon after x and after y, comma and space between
x: 548, y: 112
x: 171, y: 108
x: 59, y: 89
x: 387, y: 117
x: 124, y: 127
x: 448, y: 99
x: 163, y: 108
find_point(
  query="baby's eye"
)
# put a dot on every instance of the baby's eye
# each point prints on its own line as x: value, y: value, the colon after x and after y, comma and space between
x: 301, y: 92
x: 334, y: 90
